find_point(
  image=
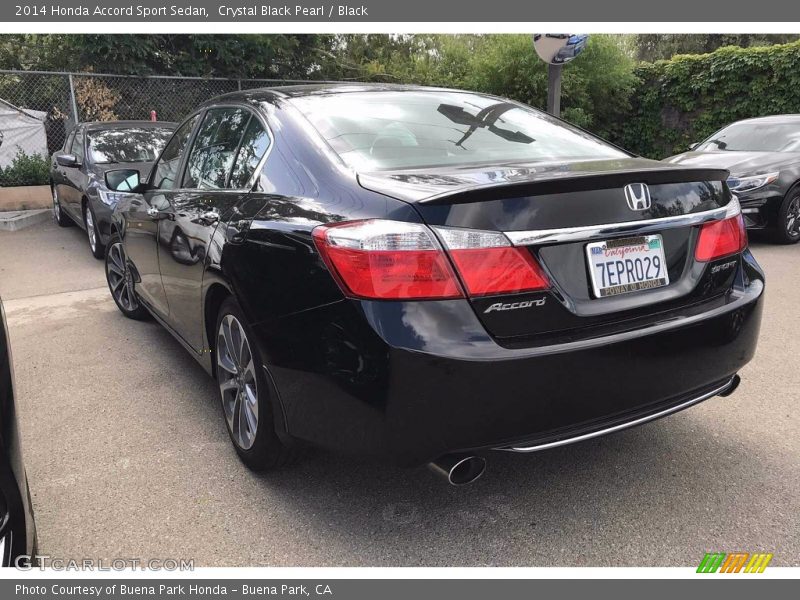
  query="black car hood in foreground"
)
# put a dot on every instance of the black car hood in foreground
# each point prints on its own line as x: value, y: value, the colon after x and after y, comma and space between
x: 432, y: 184
x: 738, y: 163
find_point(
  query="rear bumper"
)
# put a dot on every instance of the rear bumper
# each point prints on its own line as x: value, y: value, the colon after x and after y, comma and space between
x: 409, y: 382
x: 624, y: 422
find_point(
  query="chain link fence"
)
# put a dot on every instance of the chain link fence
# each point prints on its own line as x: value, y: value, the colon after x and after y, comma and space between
x: 39, y: 108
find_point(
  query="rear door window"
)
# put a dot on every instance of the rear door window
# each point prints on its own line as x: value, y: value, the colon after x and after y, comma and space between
x: 254, y: 145
x: 214, y: 149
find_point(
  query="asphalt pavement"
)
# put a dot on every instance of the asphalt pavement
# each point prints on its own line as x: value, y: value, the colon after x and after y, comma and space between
x: 128, y: 457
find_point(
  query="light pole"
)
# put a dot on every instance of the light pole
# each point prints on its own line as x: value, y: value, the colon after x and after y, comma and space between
x: 554, y: 89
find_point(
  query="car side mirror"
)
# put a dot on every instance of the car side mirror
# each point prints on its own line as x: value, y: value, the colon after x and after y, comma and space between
x: 693, y: 146
x: 124, y: 180
x: 68, y: 160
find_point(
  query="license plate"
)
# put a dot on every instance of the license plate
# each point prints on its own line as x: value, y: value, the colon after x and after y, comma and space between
x: 627, y: 265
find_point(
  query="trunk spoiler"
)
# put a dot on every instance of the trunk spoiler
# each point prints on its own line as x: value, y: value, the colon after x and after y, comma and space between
x: 464, y: 191
x: 576, y: 183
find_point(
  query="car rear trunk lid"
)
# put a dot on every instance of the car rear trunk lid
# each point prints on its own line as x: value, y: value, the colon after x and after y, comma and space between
x: 556, y: 213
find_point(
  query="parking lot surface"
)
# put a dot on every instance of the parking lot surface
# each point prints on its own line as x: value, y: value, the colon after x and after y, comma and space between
x: 128, y: 457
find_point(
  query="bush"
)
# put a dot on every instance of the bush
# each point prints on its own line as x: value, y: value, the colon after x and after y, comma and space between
x: 26, y: 169
x: 687, y: 98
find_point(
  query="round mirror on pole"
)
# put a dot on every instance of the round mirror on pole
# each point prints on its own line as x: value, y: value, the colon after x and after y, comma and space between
x: 557, y: 49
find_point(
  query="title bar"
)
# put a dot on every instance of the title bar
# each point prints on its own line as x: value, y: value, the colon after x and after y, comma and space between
x: 436, y: 11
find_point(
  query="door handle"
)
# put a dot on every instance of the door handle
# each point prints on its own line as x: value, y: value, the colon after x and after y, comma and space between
x: 210, y: 217
x: 157, y: 215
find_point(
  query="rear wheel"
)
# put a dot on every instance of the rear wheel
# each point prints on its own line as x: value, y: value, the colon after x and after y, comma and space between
x: 58, y: 215
x: 121, y: 282
x: 95, y: 245
x: 245, y: 393
x: 788, y: 225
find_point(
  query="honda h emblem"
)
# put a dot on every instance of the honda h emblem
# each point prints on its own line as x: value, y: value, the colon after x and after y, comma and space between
x: 638, y: 196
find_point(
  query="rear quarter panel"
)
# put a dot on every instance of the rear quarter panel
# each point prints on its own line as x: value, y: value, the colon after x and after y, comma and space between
x: 268, y: 256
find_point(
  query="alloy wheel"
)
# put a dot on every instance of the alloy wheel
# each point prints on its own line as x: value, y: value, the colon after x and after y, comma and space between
x: 793, y: 217
x: 120, y: 278
x: 56, y: 206
x: 90, y: 231
x: 237, y: 381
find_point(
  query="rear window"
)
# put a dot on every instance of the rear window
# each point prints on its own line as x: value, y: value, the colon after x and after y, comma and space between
x: 141, y: 144
x: 379, y: 130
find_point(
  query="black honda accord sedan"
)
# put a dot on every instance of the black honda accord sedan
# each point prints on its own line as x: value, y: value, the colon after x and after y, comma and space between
x: 76, y: 173
x: 763, y: 156
x: 423, y: 275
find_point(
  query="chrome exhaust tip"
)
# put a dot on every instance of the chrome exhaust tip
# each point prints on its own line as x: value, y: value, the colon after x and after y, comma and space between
x: 735, y: 381
x: 459, y: 469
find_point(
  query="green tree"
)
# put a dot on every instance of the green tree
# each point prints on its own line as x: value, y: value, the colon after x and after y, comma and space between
x: 235, y: 56
x: 46, y: 52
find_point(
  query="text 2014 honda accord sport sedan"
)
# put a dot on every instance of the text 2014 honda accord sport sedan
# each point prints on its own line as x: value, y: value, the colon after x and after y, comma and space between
x: 422, y: 275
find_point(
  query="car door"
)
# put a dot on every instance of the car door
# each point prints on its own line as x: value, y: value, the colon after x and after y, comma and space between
x: 75, y: 178
x: 147, y: 212
x: 218, y: 170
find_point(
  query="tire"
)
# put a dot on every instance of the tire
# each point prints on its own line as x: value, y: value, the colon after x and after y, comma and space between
x: 59, y: 216
x: 787, y: 230
x: 121, y: 282
x: 96, y: 246
x: 250, y: 425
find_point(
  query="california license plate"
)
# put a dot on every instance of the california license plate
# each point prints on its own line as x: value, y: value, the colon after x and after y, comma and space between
x: 627, y: 265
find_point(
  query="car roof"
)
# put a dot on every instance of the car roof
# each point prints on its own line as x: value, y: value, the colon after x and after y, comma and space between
x: 106, y: 125
x: 792, y: 118
x: 272, y: 94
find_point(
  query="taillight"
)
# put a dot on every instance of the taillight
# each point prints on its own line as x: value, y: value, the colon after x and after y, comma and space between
x: 488, y: 264
x: 389, y: 260
x: 721, y: 238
